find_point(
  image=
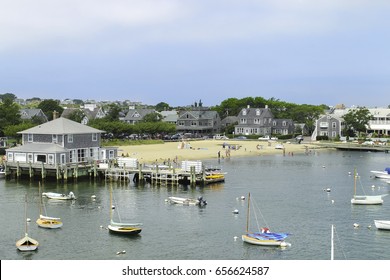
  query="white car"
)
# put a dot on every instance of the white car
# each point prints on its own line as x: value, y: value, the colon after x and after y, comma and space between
x: 267, y: 137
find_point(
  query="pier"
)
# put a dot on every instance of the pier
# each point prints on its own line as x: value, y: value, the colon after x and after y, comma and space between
x: 355, y: 147
x: 120, y: 169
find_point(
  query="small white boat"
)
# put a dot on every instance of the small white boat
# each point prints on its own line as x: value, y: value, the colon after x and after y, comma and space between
x: 59, y: 196
x: 382, y: 174
x: 365, y: 199
x: 263, y: 237
x: 26, y: 243
x: 382, y: 224
x: 187, y: 201
x: 123, y: 228
x: 45, y: 221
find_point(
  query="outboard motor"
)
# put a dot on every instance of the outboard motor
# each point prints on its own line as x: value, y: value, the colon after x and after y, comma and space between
x: 201, y: 201
x: 71, y: 194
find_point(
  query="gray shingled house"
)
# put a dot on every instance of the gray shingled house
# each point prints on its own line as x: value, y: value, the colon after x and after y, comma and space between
x: 59, y: 142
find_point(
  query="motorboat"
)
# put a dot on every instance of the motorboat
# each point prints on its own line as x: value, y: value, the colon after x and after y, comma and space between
x: 187, y: 201
x: 382, y: 224
x: 382, y: 174
x: 59, y: 196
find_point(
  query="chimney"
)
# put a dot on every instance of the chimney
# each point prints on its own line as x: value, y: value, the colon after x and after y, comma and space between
x: 248, y: 106
x: 55, y: 114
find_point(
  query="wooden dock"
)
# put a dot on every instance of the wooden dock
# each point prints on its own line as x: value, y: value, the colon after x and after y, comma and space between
x: 354, y: 147
x: 115, y: 171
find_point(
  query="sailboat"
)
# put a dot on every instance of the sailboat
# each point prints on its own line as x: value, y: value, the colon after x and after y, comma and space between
x: 122, y: 227
x: 46, y: 221
x: 365, y: 199
x: 26, y: 243
x: 264, y: 236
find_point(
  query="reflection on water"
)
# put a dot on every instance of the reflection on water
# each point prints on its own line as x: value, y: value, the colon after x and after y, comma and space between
x: 289, y: 191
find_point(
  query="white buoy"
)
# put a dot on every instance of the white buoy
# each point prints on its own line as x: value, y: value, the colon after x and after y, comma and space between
x: 235, y: 211
x: 242, y: 197
x: 373, y: 186
x: 355, y: 225
x: 93, y: 196
x: 112, y: 207
x: 369, y: 227
x: 332, y: 201
x: 235, y: 238
x: 28, y: 220
x: 349, y: 173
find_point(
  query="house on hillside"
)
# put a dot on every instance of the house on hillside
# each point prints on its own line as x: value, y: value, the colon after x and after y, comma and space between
x: 261, y: 121
x: 198, y: 122
x: 31, y: 114
x: 89, y: 113
x: 134, y: 116
x: 60, y: 142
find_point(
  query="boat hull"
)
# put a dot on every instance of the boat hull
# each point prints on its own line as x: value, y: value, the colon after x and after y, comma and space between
x: 48, y: 223
x: 124, y: 230
x: 27, y: 244
x: 367, y: 200
x: 381, y: 174
x: 382, y: 224
x: 59, y: 196
x: 265, y: 242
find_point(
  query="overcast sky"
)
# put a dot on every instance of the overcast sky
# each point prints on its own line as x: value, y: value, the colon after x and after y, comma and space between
x: 181, y: 51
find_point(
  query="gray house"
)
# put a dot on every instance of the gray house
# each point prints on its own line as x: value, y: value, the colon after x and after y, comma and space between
x: 30, y: 114
x: 59, y: 142
x: 328, y: 125
x: 198, y: 122
x: 136, y: 115
x: 260, y: 121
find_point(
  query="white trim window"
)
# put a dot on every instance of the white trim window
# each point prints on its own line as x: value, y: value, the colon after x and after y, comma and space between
x: 94, y: 137
x: 70, y: 138
x: 30, y: 138
x: 54, y: 138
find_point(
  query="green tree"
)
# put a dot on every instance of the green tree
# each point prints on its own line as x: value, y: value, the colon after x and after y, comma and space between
x: 9, y: 113
x: 77, y: 115
x: 113, y: 112
x: 48, y: 106
x: 8, y: 95
x: 162, y: 106
x: 357, y: 120
x: 152, y: 117
x: 12, y: 130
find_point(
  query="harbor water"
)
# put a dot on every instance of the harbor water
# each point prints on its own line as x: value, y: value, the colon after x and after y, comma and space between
x: 291, y: 192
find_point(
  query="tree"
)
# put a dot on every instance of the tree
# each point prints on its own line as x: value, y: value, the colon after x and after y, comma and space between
x: 152, y: 117
x: 8, y: 95
x: 9, y: 113
x: 77, y: 115
x: 162, y: 106
x: 357, y: 120
x: 48, y: 106
x: 113, y: 112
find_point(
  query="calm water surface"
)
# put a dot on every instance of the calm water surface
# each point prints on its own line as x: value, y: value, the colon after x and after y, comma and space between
x: 289, y: 191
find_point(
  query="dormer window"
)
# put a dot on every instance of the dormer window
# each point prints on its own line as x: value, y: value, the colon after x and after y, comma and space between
x: 244, y: 112
x: 257, y: 112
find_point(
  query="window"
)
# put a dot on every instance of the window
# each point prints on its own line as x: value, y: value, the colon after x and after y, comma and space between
x: 257, y: 112
x: 50, y: 159
x: 30, y: 157
x: 94, y: 136
x: 72, y: 156
x: 30, y: 138
x: 334, y: 125
x: 63, y: 158
x: 54, y: 138
x: 324, y: 124
x: 41, y: 158
x: 244, y: 112
x: 81, y: 153
x: 284, y: 123
x: 70, y: 138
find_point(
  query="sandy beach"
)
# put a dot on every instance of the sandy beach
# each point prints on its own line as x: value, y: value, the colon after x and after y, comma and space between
x: 209, y: 149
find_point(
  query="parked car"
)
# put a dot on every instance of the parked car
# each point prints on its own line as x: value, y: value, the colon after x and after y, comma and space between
x: 267, y: 137
x: 241, y: 137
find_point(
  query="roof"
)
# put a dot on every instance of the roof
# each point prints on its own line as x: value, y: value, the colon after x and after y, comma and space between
x: 38, y: 147
x: 61, y: 126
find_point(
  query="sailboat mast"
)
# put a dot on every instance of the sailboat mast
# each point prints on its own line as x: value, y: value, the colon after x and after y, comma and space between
x: 247, y: 213
x: 332, y: 245
x: 354, y: 182
x: 25, y: 213
x: 110, y: 201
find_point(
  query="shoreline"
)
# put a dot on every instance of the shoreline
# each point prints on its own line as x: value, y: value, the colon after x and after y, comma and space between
x: 210, y: 149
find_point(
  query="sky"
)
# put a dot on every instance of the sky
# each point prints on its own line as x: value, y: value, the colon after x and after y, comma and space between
x: 182, y: 51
